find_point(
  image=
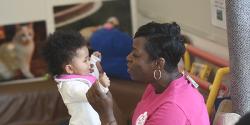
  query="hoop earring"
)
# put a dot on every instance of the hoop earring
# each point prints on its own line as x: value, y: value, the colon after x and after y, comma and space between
x: 159, y: 74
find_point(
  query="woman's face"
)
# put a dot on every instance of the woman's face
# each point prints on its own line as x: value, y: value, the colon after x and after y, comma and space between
x: 140, y: 67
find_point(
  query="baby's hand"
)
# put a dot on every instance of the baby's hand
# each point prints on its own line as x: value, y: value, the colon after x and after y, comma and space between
x: 99, y: 67
x: 97, y: 54
x: 95, y: 58
x: 104, y: 80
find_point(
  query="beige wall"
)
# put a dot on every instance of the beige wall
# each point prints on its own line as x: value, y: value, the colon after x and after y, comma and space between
x: 22, y: 11
x: 194, y: 16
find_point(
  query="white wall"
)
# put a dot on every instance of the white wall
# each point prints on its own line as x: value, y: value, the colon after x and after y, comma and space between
x: 69, y: 2
x: 211, y: 39
x: 194, y: 16
x: 23, y: 11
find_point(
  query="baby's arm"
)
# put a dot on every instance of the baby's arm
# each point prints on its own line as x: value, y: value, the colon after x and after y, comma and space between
x: 103, y: 78
x: 97, y: 54
x: 95, y: 57
x: 98, y: 71
x: 104, y: 82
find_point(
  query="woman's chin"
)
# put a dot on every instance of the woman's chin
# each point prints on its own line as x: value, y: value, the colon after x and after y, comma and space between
x: 131, y: 75
x: 132, y: 78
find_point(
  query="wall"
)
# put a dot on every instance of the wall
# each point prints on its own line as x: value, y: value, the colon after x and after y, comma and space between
x: 194, y: 16
x: 23, y: 11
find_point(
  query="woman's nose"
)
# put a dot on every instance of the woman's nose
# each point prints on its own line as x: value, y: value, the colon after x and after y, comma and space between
x: 129, y: 57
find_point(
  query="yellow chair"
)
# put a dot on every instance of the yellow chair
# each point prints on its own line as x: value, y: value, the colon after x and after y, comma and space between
x: 212, y: 88
x: 187, y: 61
x: 201, y: 70
x: 215, y: 87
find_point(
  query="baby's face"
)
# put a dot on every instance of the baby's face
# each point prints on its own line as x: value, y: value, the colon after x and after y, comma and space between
x: 80, y: 63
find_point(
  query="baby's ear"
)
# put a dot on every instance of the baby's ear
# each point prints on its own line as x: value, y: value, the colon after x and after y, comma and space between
x: 68, y: 69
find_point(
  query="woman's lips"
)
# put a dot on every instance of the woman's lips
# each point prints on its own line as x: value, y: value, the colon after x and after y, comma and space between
x: 128, y: 68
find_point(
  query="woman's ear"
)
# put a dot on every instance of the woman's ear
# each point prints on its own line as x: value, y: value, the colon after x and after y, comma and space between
x: 68, y: 68
x: 161, y: 62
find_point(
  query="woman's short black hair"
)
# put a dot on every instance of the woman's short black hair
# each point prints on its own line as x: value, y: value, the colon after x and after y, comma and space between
x: 60, y: 48
x: 163, y: 40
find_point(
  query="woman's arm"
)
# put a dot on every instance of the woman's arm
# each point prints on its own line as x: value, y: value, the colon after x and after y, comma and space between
x: 102, y: 103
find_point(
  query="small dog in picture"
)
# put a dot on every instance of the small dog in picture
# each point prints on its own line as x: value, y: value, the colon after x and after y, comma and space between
x: 17, y: 54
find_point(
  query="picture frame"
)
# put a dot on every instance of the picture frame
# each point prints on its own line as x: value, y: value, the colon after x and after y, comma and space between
x: 40, y: 14
x: 93, y: 13
x: 21, y: 57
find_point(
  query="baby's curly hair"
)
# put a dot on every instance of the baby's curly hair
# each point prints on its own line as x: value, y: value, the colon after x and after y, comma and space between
x: 60, y: 48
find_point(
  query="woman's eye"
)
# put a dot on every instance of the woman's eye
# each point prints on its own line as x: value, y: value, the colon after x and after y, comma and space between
x: 135, y: 55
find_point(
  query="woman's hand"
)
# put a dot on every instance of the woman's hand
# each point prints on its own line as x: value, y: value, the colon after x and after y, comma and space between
x: 104, y: 80
x: 102, y: 103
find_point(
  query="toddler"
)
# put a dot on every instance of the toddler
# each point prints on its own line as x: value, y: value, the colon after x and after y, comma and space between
x: 68, y: 61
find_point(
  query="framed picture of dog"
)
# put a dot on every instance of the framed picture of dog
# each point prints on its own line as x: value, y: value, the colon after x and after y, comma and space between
x: 20, y: 46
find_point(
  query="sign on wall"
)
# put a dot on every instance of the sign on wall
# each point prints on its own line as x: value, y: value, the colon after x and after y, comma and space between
x: 218, y: 13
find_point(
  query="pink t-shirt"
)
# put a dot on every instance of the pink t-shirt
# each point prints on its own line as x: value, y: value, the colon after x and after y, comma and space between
x: 179, y: 104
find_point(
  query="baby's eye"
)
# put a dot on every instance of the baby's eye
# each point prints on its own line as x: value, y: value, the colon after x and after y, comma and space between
x: 23, y: 36
x: 86, y: 60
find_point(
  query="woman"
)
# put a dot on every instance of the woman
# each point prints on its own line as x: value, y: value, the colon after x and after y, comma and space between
x: 170, y: 98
